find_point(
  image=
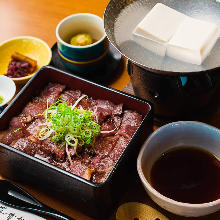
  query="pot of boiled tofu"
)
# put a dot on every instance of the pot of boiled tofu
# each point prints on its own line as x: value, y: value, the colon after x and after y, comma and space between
x: 173, y: 52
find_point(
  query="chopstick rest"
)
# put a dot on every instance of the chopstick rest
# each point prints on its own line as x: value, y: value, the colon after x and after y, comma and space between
x: 138, y: 211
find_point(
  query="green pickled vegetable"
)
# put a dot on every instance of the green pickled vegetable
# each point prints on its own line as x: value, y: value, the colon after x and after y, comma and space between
x: 81, y: 39
x: 1, y: 99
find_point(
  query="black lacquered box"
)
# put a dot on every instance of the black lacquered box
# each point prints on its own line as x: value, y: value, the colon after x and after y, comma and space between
x: 93, y: 199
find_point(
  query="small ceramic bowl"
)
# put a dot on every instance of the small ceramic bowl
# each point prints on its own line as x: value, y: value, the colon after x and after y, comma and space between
x: 81, y: 58
x: 7, y: 89
x: 176, y: 134
x: 28, y: 46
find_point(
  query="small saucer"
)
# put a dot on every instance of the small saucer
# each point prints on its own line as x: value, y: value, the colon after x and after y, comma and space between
x: 105, y: 74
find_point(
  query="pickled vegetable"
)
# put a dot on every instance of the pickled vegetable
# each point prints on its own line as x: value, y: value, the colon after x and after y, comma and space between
x: 1, y: 99
x: 81, y: 39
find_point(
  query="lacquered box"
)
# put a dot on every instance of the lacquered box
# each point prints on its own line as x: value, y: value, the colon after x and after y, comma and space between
x: 96, y: 200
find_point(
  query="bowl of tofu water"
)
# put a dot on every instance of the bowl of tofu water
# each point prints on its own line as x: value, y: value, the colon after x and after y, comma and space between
x: 173, y: 52
x: 179, y: 168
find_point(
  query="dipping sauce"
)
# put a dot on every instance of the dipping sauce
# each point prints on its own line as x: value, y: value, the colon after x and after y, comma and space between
x: 187, y: 174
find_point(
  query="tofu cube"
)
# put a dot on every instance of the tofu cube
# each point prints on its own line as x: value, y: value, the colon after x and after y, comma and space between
x: 165, y: 31
x: 153, y: 46
x: 160, y: 23
x: 193, y: 41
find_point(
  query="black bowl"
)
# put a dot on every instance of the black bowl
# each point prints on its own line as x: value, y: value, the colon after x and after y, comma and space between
x: 94, y: 199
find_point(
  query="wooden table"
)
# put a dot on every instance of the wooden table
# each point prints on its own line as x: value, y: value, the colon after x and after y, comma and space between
x: 39, y: 18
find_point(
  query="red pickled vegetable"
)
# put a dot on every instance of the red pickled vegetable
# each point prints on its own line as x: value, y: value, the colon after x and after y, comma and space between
x: 20, y: 66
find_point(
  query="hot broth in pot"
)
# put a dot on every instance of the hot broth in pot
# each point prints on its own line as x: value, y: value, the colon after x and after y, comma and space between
x: 187, y: 174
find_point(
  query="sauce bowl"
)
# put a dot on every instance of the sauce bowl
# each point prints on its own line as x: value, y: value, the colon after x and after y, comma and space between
x: 177, y: 134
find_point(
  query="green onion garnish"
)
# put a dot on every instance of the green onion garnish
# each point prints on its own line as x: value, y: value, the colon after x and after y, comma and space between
x: 68, y: 125
x: 14, y: 131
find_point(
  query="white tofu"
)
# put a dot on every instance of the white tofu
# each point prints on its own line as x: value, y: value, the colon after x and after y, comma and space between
x: 160, y: 23
x: 154, y: 46
x: 165, y: 31
x: 193, y: 41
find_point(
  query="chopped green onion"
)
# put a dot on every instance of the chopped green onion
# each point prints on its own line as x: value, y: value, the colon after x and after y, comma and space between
x: 71, y: 140
x: 68, y: 125
x: 76, y: 103
x: 14, y: 131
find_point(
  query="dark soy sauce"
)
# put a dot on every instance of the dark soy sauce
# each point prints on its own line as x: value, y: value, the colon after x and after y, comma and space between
x: 187, y: 174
